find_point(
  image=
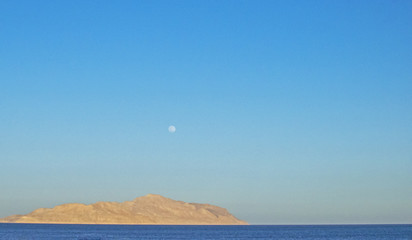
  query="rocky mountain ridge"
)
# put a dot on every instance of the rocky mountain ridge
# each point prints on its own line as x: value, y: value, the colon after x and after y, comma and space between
x: 149, y: 209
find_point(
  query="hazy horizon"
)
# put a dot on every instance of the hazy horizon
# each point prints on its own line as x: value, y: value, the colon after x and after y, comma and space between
x: 284, y: 112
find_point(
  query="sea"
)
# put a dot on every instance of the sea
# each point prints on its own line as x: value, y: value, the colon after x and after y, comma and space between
x: 97, y: 232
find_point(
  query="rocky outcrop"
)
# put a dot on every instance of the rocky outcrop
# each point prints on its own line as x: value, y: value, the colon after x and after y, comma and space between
x: 150, y: 209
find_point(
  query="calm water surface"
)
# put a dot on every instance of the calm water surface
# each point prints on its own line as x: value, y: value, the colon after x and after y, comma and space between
x: 52, y: 231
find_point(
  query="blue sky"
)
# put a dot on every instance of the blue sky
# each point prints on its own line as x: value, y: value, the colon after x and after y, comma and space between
x: 286, y: 112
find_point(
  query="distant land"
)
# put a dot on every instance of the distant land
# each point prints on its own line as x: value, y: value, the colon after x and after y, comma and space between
x: 149, y: 209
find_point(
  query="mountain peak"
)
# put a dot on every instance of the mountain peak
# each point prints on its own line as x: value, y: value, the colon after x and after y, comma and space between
x: 149, y: 209
x: 151, y: 195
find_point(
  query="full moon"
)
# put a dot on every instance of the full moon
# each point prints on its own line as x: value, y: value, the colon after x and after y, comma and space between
x: 172, y: 129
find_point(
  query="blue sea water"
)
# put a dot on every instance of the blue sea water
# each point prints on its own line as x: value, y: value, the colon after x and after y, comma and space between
x: 67, y: 231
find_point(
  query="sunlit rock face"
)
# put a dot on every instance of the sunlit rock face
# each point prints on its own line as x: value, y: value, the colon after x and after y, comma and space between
x: 150, y: 209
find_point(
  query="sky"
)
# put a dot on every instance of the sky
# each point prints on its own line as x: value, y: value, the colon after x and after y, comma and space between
x: 286, y: 112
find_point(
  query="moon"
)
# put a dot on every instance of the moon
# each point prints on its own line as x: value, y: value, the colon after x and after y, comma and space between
x: 172, y: 129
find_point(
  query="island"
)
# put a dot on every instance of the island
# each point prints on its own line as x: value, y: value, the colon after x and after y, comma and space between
x: 149, y: 209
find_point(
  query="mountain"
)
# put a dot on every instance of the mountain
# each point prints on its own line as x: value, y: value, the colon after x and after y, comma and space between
x: 149, y: 209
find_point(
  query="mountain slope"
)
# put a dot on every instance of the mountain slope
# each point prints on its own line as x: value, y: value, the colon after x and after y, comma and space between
x: 150, y: 209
